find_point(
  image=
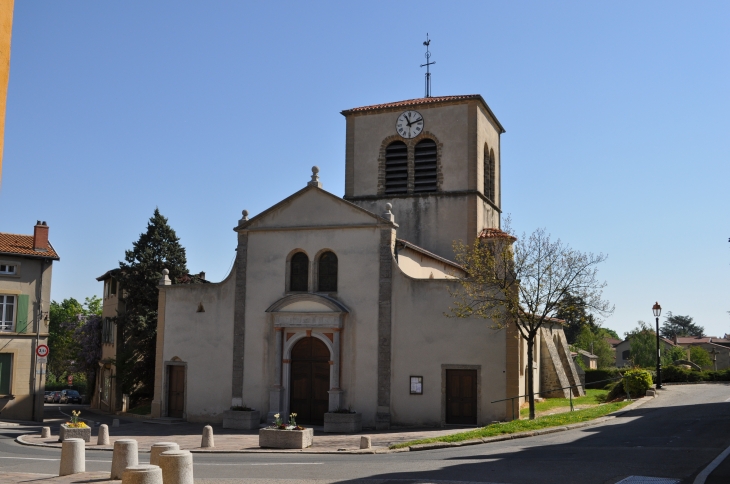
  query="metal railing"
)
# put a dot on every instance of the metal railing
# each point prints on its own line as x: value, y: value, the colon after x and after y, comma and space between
x: 512, y: 404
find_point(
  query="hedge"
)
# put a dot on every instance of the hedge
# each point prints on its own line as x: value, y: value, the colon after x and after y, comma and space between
x: 677, y: 374
x: 601, y: 375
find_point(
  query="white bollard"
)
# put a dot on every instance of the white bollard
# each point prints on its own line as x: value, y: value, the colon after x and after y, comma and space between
x: 115, y: 422
x: 177, y: 467
x: 46, y: 433
x: 207, y: 437
x: 124, y: 455
x: 142, y: 474
x: 365, y: 442
x: 159, y: 448
x: 73, y: 457
x: 103, y: 437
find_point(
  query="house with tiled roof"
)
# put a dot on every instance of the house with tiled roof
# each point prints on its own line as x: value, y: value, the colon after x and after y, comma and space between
x: 25, y: 295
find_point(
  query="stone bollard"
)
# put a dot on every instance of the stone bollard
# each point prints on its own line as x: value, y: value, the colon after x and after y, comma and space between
x: 124, y: 455
x: 177, y: 467
x: 142, y: 474
x: 73, y: 457
x: 103, y: 437
x: 115, y: 422
x: 365, y: 442
x: 158, y: 449
x: 207, y: 437
x: 45, y: 432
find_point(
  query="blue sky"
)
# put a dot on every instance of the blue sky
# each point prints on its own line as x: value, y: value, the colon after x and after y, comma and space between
x: 616, y: 117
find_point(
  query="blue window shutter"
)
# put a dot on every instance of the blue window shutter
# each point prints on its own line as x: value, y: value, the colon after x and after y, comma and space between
x: 5, y: 361
x: 21, y: 323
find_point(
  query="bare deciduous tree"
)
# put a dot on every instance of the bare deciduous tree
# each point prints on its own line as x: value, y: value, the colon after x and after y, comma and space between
x: 521, y: 281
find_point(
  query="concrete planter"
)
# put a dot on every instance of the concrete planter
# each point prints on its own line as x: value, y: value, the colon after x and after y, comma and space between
x: 242, y: 420
x: 343, y: 423
x: 74, y: 433
x: 285, y: 439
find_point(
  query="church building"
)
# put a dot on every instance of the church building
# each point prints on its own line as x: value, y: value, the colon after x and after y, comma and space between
x: 341, y: 302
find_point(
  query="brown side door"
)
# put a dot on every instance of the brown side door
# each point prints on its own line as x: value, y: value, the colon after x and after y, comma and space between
x: 176, y: 391
x: 310, y: 381
x: 461, y: 397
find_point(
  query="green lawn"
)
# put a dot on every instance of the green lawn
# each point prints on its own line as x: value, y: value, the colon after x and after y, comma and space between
x: 593, y: 397
x: 556, y: 420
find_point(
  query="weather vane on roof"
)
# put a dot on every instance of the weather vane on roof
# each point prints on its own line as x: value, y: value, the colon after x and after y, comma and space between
x: 426, y: 65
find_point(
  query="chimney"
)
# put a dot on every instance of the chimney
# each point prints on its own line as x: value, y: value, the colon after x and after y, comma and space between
x: 674, y: 337
x: 40, y: 237
x: 202, y: 275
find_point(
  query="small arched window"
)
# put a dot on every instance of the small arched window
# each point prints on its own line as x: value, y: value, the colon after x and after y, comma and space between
x: 327, y: 276
x: 425, y: 172
x: 396, y: 168
x: 299, y: 272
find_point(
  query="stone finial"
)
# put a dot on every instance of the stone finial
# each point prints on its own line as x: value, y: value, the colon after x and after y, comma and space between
x: 388, y: 215
x: 165, y: 281
x: 315, y: 178
x: 244, y: 217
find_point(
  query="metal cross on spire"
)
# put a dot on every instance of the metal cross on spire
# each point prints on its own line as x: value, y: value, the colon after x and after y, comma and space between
x: 427, y: 65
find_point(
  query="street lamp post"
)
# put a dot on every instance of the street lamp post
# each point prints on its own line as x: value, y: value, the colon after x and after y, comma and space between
x: 657, y: 309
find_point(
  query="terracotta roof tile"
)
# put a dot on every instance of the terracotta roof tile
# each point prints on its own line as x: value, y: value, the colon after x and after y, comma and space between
x: 492, y: 233
x: 23, y: 245
x: 413, y: 102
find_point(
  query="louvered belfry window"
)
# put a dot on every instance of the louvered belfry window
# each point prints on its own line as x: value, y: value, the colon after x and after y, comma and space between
x: 488, y: 176
x: 327, y: 276
x: 299, y: 272
x: 425, y: 173
x: 396, y: 168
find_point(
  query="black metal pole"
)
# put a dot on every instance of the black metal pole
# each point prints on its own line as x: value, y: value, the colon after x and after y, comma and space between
x: 658, y: 358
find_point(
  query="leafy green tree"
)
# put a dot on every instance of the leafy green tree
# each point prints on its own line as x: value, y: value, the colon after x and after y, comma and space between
x: 594, y: 342
x: 683, y: 326
x: 572, y: 310
x: 642, y: 340
x: 700, y: 356
x: 521, y: 282
x: 158, y: 248
x: 670, y: 355
x: 609, y: 333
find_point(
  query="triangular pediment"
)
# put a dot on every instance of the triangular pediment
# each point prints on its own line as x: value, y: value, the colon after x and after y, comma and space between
x: 312, y: 206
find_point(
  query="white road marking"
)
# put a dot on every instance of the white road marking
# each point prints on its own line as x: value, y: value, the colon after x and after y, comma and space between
x: 728, y: 400
x: 702, y: 476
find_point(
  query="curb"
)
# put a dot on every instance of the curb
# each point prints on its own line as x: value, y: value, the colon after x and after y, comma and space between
x: 384, y: 450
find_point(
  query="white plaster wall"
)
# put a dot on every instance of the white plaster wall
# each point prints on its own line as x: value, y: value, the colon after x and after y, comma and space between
x: 431, y: 222
x: 448, y: 123
x: 203, y: 341
x: 357, y: 252
x: 421, y: 266
x: 424, y: 339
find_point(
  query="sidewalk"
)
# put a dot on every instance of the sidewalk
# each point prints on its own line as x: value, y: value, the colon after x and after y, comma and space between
x: 189, y: 435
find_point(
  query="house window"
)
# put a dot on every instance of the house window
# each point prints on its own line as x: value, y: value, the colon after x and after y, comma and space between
x: 626, y: 355
x: 107, y: 331
x: 299, y: 272
x: 7, y: 312
x: 6, y: 269
x: 327, y: 275
x: 113, y: 286
x: 5, y: 373
x: 425, y: 172
x: 396, y: 168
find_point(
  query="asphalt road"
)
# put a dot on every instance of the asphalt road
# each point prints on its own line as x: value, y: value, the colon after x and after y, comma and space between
x: 673, y: 436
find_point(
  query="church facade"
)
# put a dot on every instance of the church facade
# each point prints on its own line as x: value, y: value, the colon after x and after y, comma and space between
x: 340, y: 303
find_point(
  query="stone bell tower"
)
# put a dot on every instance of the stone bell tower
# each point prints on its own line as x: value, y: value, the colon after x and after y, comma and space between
x: 436, y: 159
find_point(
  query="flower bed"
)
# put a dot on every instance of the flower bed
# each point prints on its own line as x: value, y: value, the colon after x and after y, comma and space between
x: 285, y: 436
x: 74, y: 429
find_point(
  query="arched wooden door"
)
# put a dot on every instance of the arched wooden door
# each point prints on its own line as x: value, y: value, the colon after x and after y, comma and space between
x: 310, y: 380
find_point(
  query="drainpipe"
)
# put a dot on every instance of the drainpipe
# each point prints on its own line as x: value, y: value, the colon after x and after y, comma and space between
x: 34, y: 357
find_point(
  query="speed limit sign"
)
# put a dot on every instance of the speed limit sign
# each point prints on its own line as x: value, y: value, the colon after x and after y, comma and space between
x: 42, y: 351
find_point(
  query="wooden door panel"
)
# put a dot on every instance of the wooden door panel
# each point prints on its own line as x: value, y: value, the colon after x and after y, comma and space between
x: 310, y: 380
x: 461, y: 396
x: 176, y: 391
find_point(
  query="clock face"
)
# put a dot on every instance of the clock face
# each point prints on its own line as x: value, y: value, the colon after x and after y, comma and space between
x: 409, y: 124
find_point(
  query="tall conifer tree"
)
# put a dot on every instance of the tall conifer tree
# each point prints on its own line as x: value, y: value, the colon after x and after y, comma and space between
x: 157, y: 249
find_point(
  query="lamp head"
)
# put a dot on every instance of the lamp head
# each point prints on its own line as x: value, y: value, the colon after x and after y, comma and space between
x: 657, y: 309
